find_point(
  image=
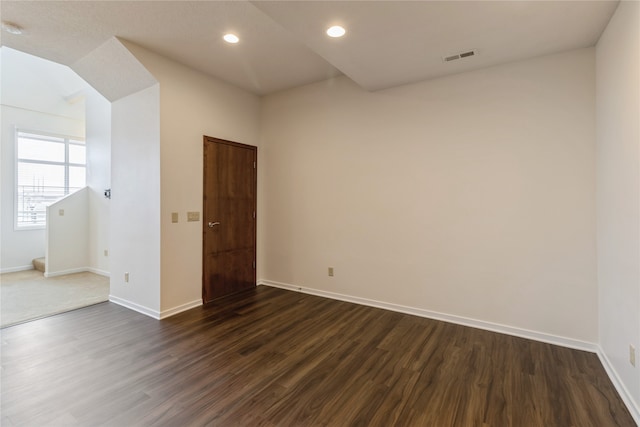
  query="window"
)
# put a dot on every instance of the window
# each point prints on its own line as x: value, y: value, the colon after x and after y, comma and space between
x: 47, y: 168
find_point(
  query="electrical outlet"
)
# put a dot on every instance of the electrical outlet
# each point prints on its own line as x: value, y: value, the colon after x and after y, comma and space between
x: 193, y: 216
x: 106, y: 252
x: 632, y: 354
x: 330, y: 271
x: 61, y: 212
x: 126, y: 277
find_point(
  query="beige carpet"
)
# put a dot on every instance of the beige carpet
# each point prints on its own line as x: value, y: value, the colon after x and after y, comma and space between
x: 28, y: 295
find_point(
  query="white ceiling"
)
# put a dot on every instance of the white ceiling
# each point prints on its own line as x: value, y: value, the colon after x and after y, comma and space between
x: 36, y: 84
x: 283, y: 45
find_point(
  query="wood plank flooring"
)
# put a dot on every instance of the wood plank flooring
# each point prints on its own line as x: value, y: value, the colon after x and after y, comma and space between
x: 270, y: 357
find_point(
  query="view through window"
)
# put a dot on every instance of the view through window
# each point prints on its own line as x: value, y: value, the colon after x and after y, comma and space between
x: 48, y: 168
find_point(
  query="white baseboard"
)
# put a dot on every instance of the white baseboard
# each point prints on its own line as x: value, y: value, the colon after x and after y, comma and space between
x: 56, y: 273
x: 77, y: 270
x: 16, y: 269
x: 179, y: 309
x: 64, y: 272
x: 135, y: 307
x: 626, y: 397
x: 98, y: 271
x: 459, y: 320
x: 159, y: 315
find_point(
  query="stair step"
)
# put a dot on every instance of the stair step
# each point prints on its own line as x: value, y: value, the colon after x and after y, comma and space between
x: 39, y: 264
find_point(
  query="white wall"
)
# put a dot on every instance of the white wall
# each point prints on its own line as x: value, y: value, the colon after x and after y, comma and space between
x: 36, y: 95
x: 191, y: 105
x: 19, y: 248
x: 471, y: 195
x: 67, y: 238
x: 618, y: 194
x: 98, y: 137
x: 135, y: 201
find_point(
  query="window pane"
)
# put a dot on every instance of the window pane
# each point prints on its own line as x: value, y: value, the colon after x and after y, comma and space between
x: 77, y: 154
x: 77, y: 177
x: 30, y: 208
x: 33, y: 149
x: 38, y: 186
x: 40, y: 175
x: 45, y: 175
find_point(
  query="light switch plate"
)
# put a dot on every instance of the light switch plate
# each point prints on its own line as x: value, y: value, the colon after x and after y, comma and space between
x: 174, y: 216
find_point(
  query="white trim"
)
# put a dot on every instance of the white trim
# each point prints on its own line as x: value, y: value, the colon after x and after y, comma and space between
x: 77, y: 270
x: 135, y: 307
x: 57, y: 273
x: 64, y: 272
x: 179, y: 309
x: 459, y: 320
x: 626, y: 397
x: 15, y: 269
x: 154, y: 313
x: 46, y: 133
x: 28, y: 227
x: 98, y: 271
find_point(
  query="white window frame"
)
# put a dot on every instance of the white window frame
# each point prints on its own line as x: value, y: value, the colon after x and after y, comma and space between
x: 44, y: 136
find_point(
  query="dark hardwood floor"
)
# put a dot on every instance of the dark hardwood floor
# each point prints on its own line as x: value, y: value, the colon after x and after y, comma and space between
x: 270, y: 357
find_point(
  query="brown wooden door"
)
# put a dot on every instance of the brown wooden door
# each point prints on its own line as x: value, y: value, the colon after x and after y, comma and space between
x: 229, y: 222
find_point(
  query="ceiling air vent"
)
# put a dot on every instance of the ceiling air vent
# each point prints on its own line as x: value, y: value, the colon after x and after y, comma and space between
x: 460, y: 55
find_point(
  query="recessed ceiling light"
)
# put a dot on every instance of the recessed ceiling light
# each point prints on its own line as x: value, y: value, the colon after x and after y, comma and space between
x: 336, y: 31
x: 231, y: 38
x: 11, y: 28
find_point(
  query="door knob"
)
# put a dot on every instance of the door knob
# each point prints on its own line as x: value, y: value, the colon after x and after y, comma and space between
x: 212, y: 224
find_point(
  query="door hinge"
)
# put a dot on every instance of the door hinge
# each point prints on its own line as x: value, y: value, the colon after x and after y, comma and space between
x: 254, y: 265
